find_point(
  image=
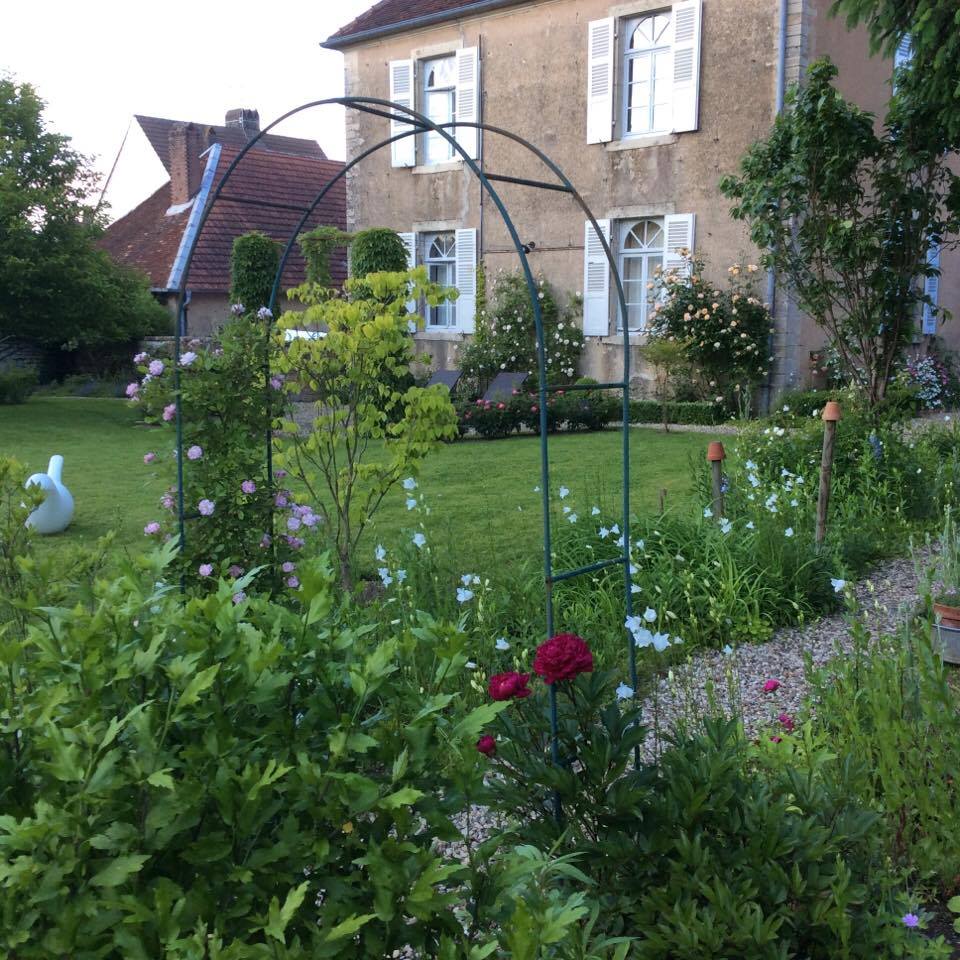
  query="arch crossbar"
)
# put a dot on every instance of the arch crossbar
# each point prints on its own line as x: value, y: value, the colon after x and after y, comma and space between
x: 417, y: 124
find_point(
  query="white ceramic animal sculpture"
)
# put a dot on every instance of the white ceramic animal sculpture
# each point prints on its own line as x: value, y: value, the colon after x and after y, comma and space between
x: 56, y: 511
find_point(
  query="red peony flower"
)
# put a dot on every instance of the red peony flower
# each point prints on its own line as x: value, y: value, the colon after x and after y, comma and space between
x: 509, y: 686
x: 771, y: 686
x: 787, y: 721
x: 487, y: 745
x: 563, y: 657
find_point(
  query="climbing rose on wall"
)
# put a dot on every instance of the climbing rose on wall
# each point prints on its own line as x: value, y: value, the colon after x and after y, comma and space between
x: 563, y: 657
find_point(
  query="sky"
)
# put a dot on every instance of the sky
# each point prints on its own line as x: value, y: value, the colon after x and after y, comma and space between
x: 98, y: 63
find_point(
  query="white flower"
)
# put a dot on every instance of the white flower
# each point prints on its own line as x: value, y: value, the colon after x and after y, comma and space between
x: 604, y: 533
x: 411, y: 503
x: 563, y: 492
x: 750, y: 465
x: 661, y: 641
x: 794, y: 503
x: 463, y: 594
x: 788, y: 532
x: 567, y: 509
x: 385, y: 576
x: 536, y: 489
x: 799, y: 480
x: 642, y: 637
x: 725, y: 525
x: 633, y: 624
x: 595, y: 512
x: 749, y: 524
x: 650, y: 615
x: 728, y: 650
x: 634, y: 588
x: 707, y: 512
x: 502, y: 644
x: 838, y: 584
x: 634, y: 569
x: 620, y: 540
x: 381, y: 553
x: 615, y: 528
x: 187, y: 358
x: 641, y: 545
x: 470, y: 665
x: 572, y: 518
x: 786, y: 409
x: 401, y: 576
x: 409, y: 484
x: 624, y: 692
x: 419, y: 540
x: 754, y: 480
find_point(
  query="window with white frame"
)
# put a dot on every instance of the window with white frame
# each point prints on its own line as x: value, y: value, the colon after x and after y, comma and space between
x: 450, y: 257
x: 643, y: 73
x: 638, y: 247
x: 639, y: 256
x: 445, y: 89
x: 440, y: 259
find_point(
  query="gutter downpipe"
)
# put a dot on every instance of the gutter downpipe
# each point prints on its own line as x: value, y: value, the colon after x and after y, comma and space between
x: 772, y: 273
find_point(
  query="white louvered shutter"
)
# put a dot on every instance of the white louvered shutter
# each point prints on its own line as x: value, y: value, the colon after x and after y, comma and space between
x: 601, y: 48
x: 468, y: 99
x: 686, y: 64
x: 931, y: 287
x: 596, y: 281
x: 403, y: 153
x: 904, y: 52
x: 466, y: 254
x: 410, y: 242
x: 678, y: 228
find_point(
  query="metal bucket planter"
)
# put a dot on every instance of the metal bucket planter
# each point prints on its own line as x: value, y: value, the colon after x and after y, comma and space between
x: 946, y: 631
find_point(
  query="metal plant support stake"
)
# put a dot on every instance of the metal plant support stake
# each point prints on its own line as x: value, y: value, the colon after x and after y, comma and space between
x: 418, y: 123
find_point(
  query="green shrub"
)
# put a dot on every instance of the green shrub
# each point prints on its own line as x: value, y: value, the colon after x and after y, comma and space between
x: 694, y: 412
x: 570, y: 410
x: 17, y: 384
x: 377, y: 250
x: 253, y: 269
x: 723, y: 849
x: 228, y: 777
x: 317, y: 247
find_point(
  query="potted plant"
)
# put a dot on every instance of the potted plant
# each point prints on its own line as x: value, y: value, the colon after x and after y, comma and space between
x: 945, y: 589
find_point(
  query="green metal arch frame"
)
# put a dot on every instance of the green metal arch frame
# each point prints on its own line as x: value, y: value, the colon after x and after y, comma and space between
x: 418, y: 124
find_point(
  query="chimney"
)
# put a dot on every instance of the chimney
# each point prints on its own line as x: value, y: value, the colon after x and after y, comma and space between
x: 187, y: 142
x: 246, y: 119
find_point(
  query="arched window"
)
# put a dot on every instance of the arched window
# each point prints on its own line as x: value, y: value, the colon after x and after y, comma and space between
x: 647, y: 85
x: 641, y: 251
x: 439, y: 104
x: 440, y: 254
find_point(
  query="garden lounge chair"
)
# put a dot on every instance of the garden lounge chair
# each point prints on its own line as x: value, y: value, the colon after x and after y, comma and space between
x: 503, y: 386
x: 446, y: 378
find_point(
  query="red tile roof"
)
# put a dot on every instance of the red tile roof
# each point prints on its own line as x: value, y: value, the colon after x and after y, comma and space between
x: 394, y: 16
x: 149, y: 239
x: 157, y: 130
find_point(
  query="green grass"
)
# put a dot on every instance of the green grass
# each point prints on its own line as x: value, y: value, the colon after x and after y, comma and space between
x: 480, y: 493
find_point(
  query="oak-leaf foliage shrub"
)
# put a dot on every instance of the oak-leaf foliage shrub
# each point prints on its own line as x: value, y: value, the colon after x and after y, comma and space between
x: 200, y: 778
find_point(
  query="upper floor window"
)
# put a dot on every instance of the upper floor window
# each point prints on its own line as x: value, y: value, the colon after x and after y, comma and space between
x: 643, y: 73
x: 444, y: 89
x: 439, y: 102
x: 647, y: 83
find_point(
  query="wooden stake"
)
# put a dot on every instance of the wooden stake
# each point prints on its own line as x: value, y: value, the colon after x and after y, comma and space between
x: 715, y: 456
x: 663, y: 500
x: 831, y: 415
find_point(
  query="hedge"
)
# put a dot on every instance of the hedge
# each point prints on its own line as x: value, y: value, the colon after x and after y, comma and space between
x: 17, y: 383
x: 699, y: 412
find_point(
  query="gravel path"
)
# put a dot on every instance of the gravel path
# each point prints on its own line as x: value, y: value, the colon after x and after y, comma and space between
x: 737, y: 678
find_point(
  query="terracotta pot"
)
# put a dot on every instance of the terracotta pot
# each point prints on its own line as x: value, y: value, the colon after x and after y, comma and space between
x: 947, y: 615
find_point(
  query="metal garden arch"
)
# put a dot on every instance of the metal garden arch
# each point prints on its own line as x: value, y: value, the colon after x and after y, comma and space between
x: 418, y: 123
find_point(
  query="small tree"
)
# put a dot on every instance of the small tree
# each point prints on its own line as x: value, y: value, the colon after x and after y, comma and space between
x: 352, y: 373
x: 847, y: 215
x: 317, y: 246
x: 666, y: 356
x: 376, y: 250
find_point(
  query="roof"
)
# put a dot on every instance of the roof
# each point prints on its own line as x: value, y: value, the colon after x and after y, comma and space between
x: 395, y: 16
x: 282, y: 186
x: 157, y: 130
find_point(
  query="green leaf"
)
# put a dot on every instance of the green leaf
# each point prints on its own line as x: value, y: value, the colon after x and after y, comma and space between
x: 161, y: 778
x: 401, y: 798
x: 117, y: 871
x: 349, y: 927
x: 202, y: 681
x: 280, y: 917
x: 478, y: 718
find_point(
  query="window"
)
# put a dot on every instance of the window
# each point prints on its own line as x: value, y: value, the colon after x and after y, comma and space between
x: 438, y: 98
x: 640, y: 247
x: 640, y: 255
x: 643, y: 73
x: 647, y: 84
x: 440, y: 259
x: 445, y: 89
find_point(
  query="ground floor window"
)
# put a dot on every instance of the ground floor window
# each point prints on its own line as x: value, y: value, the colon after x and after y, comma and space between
x: 640, y: 255
x: 440, y: 256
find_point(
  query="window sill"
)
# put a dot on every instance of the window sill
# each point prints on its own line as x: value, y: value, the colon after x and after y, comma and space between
x: 439, y: 167
x: 616, y: 340
x: 637, y: 143
x: 439, y: 333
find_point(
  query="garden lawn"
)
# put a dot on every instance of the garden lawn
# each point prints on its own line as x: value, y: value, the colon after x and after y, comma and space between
x: 480, y: 493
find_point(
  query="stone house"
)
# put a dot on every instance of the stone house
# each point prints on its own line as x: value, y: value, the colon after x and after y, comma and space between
x: 644, y: 104
x: 268, y: 191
